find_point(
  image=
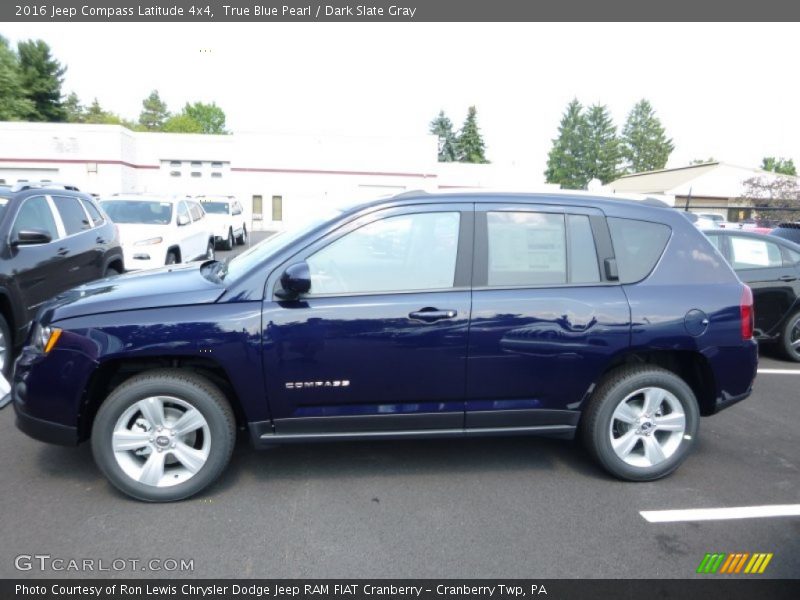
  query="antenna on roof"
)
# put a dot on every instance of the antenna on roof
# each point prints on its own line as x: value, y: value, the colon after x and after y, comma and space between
x: 688, y: 198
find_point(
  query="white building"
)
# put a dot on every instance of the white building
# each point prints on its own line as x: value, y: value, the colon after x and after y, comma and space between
x: 714, y: 187
x: 279, y: 178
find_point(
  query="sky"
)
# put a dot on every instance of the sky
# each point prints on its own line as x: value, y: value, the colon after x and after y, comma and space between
x: 727, y: 91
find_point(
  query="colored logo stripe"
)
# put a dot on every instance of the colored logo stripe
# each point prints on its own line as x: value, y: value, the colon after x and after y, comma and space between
x: 721, y: 562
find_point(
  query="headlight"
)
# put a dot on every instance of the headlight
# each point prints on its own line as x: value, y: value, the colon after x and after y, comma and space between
x: 150, y: 242
x: 45, y: 338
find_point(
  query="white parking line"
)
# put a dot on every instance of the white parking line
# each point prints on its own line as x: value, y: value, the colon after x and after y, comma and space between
x: 721, y: 514
x: 779, y: 371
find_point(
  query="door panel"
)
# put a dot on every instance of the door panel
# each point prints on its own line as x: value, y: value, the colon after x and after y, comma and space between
x: 545, y: 321
x: 345, y: 356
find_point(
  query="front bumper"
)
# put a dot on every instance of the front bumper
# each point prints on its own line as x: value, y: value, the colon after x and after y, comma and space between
x: 46, y: 431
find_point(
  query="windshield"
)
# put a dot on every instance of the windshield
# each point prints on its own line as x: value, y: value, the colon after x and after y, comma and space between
x: 259, y: 253
x: 216, y: 208
x: 146, y: 212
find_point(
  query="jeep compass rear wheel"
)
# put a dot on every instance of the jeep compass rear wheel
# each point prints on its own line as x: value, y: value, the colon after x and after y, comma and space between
x: 164, y: 435
x: 641, y: 423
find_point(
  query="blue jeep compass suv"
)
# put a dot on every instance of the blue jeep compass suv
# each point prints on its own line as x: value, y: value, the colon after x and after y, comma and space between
x: 414, y: 316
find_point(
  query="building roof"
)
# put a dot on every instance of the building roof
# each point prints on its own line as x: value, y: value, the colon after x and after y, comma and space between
x: 662, y: 181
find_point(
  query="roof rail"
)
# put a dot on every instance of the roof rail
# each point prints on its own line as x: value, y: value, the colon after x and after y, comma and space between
x: 411, y: 194
x: 44, y: 184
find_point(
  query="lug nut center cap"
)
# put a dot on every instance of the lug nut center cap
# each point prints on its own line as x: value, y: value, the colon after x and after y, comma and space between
x: 162, y: 441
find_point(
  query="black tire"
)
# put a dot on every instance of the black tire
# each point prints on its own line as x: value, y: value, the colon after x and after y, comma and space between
x: 242, y: 239
x: 211, y: 250
x: 228, y: 243
x: 6, y: 348
x: 790, y: 336
x: 189, y: 387
x: 172, y: 258
x: 597, y: 422
x: 111, y: 272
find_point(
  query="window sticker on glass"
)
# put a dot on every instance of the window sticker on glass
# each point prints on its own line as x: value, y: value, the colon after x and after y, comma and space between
x: 753, y: 253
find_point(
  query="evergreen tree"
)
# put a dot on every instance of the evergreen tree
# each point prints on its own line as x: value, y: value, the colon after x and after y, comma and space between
x: 210, y: 117
x: 442, y: 127
x: 13, y: 103
x: 154, y: 112
x: 41, y: 78
x: 74, y: 109
x: 470, y: 146
x: 784, y: 166
x: 566, y: 162
x: 602, y: 151
x: 645, y: 144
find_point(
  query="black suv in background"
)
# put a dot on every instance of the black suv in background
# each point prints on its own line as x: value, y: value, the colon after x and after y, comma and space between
x: 52, y: 238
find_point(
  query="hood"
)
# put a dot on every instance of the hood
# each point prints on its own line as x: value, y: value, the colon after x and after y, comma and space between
x: 130, y: 233
x: 175, y: 285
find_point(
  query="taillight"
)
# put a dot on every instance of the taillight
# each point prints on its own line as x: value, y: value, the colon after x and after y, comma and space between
x: 746, y: 312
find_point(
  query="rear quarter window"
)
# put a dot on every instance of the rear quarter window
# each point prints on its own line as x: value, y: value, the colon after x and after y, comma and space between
x: 637, y: 246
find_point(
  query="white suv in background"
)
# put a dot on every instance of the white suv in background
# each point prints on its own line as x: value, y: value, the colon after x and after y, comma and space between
x: 156, y: 230
x: 227, y: 220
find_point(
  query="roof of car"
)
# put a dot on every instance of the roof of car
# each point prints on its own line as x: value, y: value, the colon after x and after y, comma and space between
x: 609, y: 202
x: 143, y: 198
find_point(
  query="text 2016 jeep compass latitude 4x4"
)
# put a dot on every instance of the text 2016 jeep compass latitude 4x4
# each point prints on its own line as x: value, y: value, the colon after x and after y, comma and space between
x: 414, y: 316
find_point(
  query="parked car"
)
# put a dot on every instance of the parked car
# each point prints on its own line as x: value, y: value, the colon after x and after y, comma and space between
x: 787, y: 231
x: 157, y: 231
x: 51, y: 238
x: 408, y: 317
x: 771, y: 267
x: 227, y: 219
x: 698, y: 221
x: 718, y: 220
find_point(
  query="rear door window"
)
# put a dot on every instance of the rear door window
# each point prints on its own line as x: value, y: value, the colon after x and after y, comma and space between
x: 637, y: 246
x: 72, y: 214
x: 583, y: 267
x: 526, y: 248
x: 750, y: 253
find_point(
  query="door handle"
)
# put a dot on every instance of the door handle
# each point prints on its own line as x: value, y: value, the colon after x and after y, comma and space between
x: 788, y: 278
x: 429, y: 314
x: 62, y: 251
x: 100, y: 240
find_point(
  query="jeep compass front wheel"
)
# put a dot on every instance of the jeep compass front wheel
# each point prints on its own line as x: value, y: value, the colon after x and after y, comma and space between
x: 164, y: 435
x: 641, y: 423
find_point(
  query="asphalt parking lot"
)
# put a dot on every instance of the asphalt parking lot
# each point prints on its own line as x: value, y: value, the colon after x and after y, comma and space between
x: 504, y: 507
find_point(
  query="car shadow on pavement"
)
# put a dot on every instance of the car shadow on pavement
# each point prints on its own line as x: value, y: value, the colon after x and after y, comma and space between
x: 323, y: 461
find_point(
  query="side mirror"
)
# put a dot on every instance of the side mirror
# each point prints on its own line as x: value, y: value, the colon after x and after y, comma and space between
x: 183, y: 220
x: 296, y: 280
x: 27, y: 237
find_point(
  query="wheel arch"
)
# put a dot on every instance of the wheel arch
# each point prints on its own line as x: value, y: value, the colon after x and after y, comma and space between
x: 690, y: 366
x: 112, y: 373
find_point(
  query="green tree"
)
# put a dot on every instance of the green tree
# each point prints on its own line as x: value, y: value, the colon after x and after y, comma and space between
x: 41, y: 78
x: 13, y: 103
x: 154, y: 112
x: 601, y: 154
x: 784, y: 166
x: 442, y: 127
x: 210, y: 117
x: 645, y: 144
x: 566, y: 162
x: 470, y: 147
x: 98, y: 115
x: 182, y: 123
x: 76, y: 113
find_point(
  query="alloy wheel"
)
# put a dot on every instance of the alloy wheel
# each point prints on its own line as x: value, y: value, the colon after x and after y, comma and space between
x: 647, y: 427
x: 161, y: 441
